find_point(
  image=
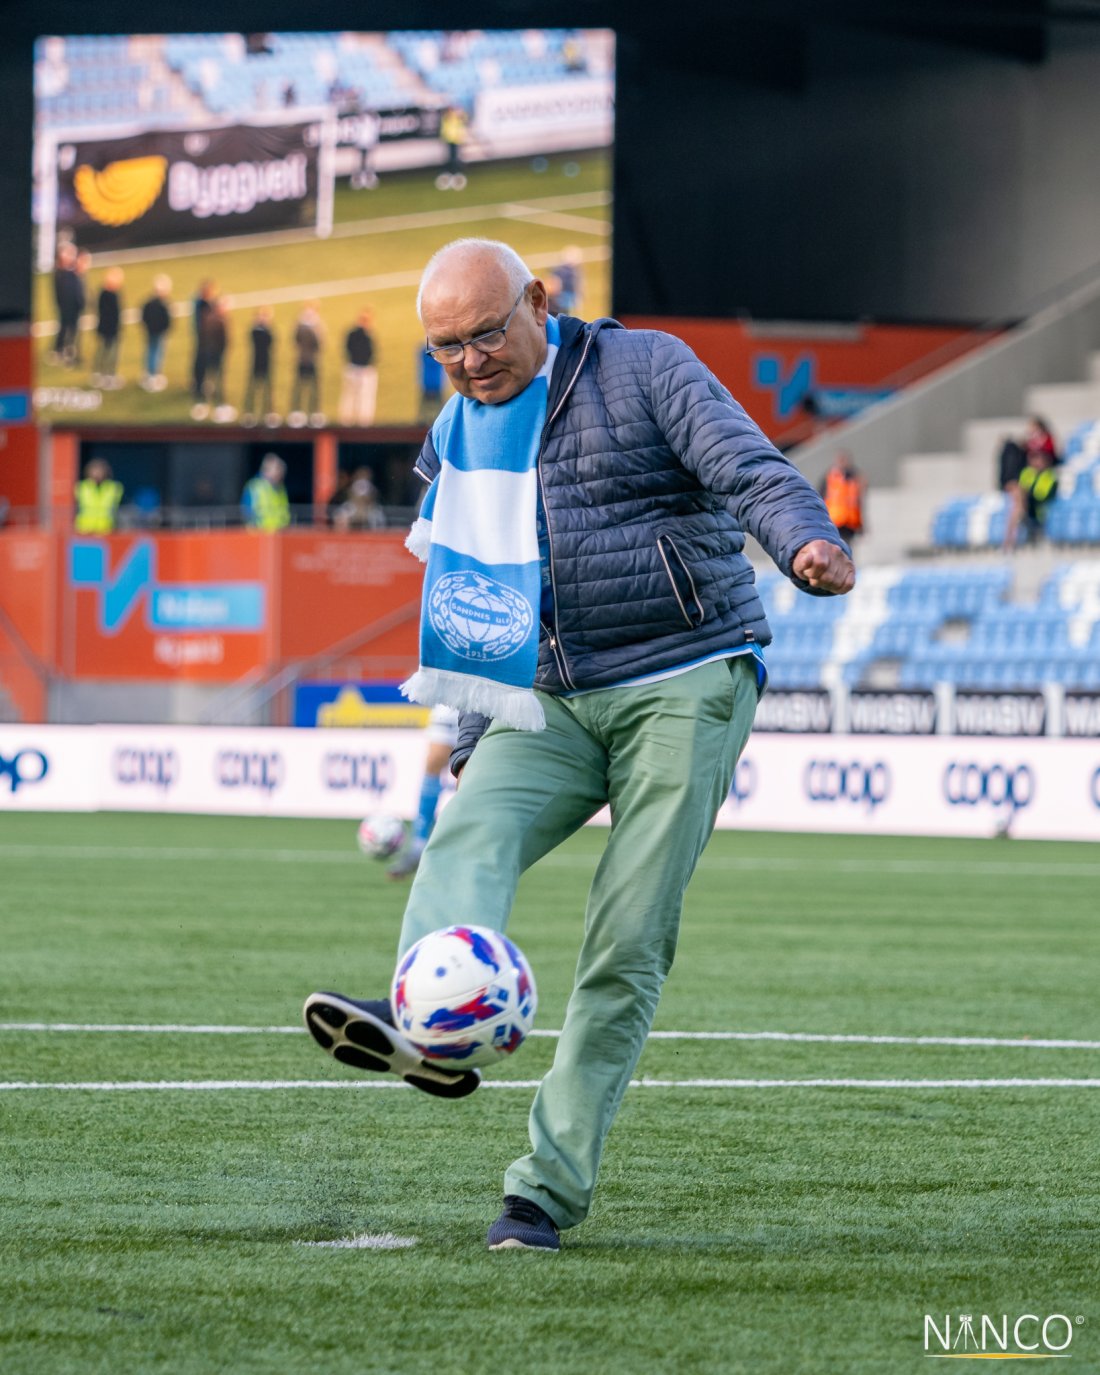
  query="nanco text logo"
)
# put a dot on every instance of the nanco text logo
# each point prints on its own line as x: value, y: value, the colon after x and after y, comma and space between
x: 261, y: 769
x: 988, y: 1336
x: 1001, y: 786
x: 24, y: 766
x: 344, y: 771
x: 849, y: 781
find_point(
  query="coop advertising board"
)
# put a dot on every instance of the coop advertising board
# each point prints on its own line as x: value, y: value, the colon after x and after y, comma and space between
x: 937, y: 786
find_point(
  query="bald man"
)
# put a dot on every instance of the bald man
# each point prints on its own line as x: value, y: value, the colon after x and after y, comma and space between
x: 594, y: 483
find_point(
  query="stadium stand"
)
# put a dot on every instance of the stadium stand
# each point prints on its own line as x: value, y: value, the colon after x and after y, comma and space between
x: 109, y: 80
x: 913, y: 628
x: 975, y: 522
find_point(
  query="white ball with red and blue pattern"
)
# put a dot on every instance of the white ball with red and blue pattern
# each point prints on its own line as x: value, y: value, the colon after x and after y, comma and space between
x: 464, y: 996
x: 381, y: 835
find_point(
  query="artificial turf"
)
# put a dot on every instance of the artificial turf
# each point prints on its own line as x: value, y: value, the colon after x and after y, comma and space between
x: 755, y: 1229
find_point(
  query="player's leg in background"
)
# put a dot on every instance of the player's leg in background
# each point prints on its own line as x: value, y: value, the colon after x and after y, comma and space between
x: 521, y: 794
x: 673, y: 748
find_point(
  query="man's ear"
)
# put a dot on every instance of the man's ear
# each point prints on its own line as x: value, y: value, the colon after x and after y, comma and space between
x: 540, y: 301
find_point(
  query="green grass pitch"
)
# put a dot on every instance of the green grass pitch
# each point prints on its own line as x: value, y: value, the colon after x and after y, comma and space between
x: 381, y: 242
x: 736, y: 1229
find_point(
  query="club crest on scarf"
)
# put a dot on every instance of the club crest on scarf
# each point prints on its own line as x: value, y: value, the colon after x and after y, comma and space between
x: 478, y: 617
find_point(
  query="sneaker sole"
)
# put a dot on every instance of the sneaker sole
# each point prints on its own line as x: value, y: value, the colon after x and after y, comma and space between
x: 513, y: 1245
x: 362, y: 1041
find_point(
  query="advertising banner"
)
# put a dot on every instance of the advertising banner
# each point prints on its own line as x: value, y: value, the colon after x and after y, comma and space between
x: 164, y: 186
x: 892, y: 713
x: 875, y: 785
x: 194, y: 606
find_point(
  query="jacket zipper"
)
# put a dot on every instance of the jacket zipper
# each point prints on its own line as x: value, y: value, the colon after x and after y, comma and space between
x: 554, y: 635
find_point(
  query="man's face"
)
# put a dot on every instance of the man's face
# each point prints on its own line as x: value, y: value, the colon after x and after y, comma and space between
x: 471, y: 297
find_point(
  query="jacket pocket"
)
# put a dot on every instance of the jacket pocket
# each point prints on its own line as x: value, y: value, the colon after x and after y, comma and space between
x: 683, y: 584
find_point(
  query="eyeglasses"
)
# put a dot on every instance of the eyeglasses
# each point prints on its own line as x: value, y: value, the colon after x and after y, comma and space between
x: 492, y: 341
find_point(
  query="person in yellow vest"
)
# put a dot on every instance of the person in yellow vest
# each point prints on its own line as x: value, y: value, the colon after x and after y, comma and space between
x: 843, y: 488
x: 98, y: 497
x: 453, y: 131
x: 265, y: 502
x: 1037, y: 486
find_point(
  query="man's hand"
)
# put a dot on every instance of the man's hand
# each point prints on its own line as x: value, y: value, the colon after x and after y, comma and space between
x: 824, y: 565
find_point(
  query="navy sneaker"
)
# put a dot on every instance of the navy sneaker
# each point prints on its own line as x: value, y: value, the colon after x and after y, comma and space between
x: 361, y: 1033
x: 523, y: 1224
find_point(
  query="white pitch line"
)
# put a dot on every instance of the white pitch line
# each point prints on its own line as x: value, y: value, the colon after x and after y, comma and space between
x: 716, y: 863
x: 270, y: 1085
x: 808, y: 1037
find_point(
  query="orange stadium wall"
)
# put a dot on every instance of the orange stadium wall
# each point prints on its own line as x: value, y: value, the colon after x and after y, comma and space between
x: 200, y: 608
x: 18, y: 437
x: 772, y: 369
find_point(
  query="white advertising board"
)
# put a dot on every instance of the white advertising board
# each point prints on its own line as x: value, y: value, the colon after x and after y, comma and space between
x: 1041, y: 789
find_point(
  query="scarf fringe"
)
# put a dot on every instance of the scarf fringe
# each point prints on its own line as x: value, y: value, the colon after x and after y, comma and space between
x: 512, y: 706
x: 418, y: 540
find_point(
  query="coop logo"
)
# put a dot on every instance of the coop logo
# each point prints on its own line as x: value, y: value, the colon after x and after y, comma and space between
x: 975, y: 785
x: 982, y: 1336
x: 168, y: 606
x: 744, y: 783
x: 479, y: 617
x: 1094, y: 788
x: 259, y: 769
x: 852, y: 782
x: 366, y: 773
x: 23, y: 767
x: 152, y: 767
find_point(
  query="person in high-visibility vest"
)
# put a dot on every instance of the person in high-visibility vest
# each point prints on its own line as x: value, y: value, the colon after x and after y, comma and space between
x: 1036, y: 488
x: 842, y: 489
x: 454, y: 131
x: 98, y: 497
x: 265, y: 502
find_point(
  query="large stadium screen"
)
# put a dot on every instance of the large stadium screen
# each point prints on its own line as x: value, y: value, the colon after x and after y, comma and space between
x: 229, y: 228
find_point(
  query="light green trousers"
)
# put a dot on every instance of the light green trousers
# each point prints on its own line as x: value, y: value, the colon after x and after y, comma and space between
x: 662, y: 757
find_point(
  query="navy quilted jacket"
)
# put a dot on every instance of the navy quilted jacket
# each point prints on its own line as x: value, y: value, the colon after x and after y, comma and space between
x: 650, y: 472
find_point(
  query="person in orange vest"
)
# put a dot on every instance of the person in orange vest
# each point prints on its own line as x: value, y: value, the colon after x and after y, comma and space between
x: 843, y: 487
x: 98, y: 496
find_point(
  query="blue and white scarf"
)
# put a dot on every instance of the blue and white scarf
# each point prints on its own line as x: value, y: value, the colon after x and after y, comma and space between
x: 477, y: 533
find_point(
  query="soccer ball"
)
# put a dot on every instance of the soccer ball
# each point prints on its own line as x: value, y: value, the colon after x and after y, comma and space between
x: 381, y: 835
x: 464, y: 996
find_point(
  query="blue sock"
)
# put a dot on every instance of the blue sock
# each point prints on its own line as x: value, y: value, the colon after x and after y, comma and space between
x: 430, y: 789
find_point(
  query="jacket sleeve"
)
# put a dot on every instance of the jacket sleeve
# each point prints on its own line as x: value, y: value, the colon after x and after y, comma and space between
x: 471, y: 727
x: 726, y: 451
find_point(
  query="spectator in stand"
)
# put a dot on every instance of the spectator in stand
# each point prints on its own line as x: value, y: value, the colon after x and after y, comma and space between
x: 98, y: 497
x: 1040, y: 439
x: 1036, y: 489
x: 361, y: 510
x: 842, y: 488
x: 156, y: 320
x: 262, y: 340
x: 305, y: 399
x: 264, y: 503
x: 431, y: 387
x: 359, y: 393
x: 339, y: 495
x: 68, y: 291
x: 215, y: 344
x: 201, y: 307
x: 108, y: 329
